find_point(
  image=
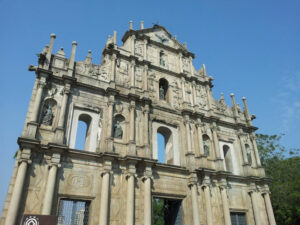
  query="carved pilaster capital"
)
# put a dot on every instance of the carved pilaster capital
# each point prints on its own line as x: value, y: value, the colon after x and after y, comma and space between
x: 107, y: 167
x: 41, y: 84
x: 25, y: 156
x: 113, y: 56
x: 54, y: 160
x: 193, y: 180
x: 132, y: 105
x: 67, y: 89
x: 28, y: 161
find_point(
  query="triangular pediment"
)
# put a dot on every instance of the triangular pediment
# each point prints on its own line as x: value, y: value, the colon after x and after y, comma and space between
x: 161, y: 35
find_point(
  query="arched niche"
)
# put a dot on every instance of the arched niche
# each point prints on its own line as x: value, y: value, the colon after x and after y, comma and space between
x: 170, y: 135
x: 206, y: 145
x: 119, y: 127
x: 230, y: 158
x: 163, y: 90
x: 91, y: 119
x: 48, y: 112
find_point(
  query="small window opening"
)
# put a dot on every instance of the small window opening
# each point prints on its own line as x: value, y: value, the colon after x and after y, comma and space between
x: 165, y: 145
x: 166, y: 211
x: 83, y: 132
x: 163, y: 89
x: 73, y: 212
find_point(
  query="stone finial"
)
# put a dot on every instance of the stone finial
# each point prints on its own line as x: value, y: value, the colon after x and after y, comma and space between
x: 109, y: 40
x: 175, y: 37
x: 74, y: 43
x: 53, y: 35
x: 204, y: 70
x: 88, y: 58
x: 45, y: 50
x: 61, y: 53
x: 246, y: 110
x: 185, y: 45
x: 115, y: 38
x: 130, y: 25
x: 222, y: 97
x: 142, y: 25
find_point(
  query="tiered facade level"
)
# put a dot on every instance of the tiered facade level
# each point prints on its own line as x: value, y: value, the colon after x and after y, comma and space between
x: 212, y: 173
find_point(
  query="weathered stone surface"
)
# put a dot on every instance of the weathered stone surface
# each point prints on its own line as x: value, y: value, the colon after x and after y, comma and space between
x: 113, y: 171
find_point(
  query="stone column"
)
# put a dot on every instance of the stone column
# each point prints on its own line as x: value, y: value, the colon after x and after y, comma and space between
x: 147, y: 195
x: 132, y: 76
x: 113, y: 67
x: 195, y: 206
x: 72, y: 59
x: 200, y: 140
x: 132, y: 149
x: 66, y: 93
x: 49, y: 52
x: 38, y: 97
x: 188, y: 133
x: 191, y: 65
x: 209, y: 97
x: 145, y: 78
x: 49, y: 192
x: 235, y: 111
x: 105, y: 192
x: 194, y: 93
x: 269, y: 208
x: 183, y: 89
x: 132, y: 44
x: 145, y: 49
x: 246, y: 110
x: 180, y: 63
x: 14, y: 204
x: 226, y: 211
x: 256, y: 212
x: 244, y: 153
x: 206, y: 189
x: 59, y: 132
x: 146, y: 124
x: 216, y: 140
x: 130, y: 194
x: 253, y: 140
x: 109, y: 134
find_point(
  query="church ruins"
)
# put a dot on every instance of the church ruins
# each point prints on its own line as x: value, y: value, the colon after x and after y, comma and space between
x: 211, y: 173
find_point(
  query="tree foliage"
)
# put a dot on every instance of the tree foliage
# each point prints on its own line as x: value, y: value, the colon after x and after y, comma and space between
x: 283, y: 167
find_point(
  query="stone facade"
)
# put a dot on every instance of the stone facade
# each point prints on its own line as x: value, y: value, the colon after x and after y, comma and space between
x: 144, y: 87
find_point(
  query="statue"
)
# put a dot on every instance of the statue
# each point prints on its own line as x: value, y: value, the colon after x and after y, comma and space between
x: 48, y: 116
x: 161, y: 59
x: 162, y: 93
x: 206, y: 149
x: 118, y: 132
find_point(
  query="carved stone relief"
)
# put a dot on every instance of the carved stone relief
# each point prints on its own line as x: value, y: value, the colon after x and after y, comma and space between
x: 151, y: 83
x: 177, y: 99
x: 185, y: 64
x: 123, y: 74
x: 138, y: 49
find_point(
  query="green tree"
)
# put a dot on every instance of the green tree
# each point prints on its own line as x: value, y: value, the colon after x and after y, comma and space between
x: 158, y: 211
x: 283, y: 167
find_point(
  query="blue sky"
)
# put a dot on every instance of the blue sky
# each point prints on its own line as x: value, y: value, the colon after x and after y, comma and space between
x: 251, y: 48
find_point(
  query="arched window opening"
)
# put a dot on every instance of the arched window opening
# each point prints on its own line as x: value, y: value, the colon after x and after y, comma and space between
x: 118, y: 126
x: 206, y: 145
x: 227, y: 157
x: 249, y: 157
x: 83, y: 132
x: 165, y: 145
x: 163, y: 89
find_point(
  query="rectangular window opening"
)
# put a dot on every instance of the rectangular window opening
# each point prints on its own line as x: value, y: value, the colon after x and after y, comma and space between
x: 238, y: 218
x: 73, y: 212
x: 166, y: 211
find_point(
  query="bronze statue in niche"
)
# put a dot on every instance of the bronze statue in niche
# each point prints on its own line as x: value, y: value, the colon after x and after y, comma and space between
x: 118, y: 132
